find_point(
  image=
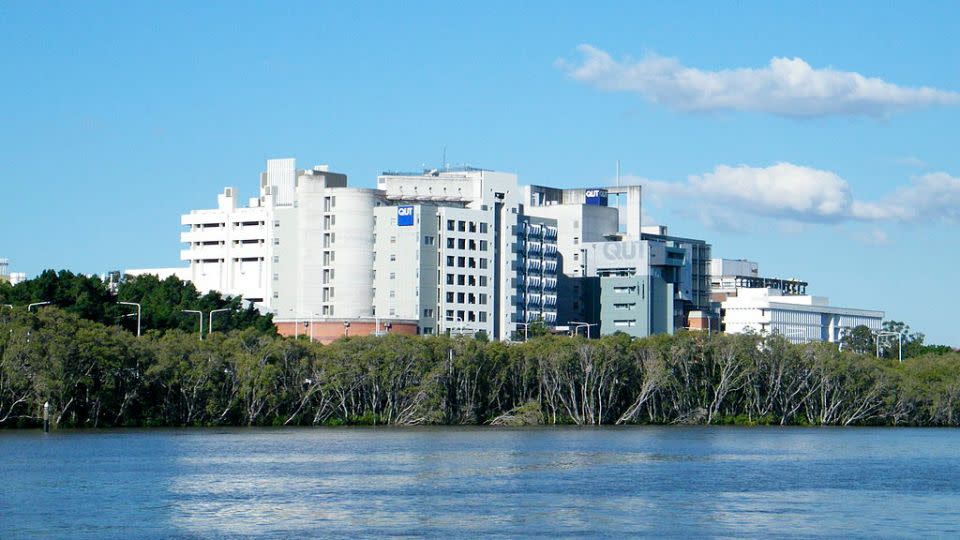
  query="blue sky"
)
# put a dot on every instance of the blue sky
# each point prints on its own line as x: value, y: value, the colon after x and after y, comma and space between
x: 117, y: 117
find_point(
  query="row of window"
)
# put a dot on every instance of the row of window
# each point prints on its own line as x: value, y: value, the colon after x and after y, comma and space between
x: 466, y: 298
x: 466, y: 262
x: 468, y: 280
x: 466, y: 226
x: 467, y: 244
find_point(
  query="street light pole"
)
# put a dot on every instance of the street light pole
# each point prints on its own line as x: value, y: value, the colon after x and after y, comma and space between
x: 899, y: 343
x: 138, y: 313
x: 31, y: 306
x: 525, y: 326
x: 212, y: 311
x: 200, y: 313
x: 376, y: 323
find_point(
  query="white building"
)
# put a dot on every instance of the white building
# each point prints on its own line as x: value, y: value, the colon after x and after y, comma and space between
x: 799, y: 318
x: 435, y: 264
x: 728, y: 275
x: 488, y: 267
x: 302, y: 249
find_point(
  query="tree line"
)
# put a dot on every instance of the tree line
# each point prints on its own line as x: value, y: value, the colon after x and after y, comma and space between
x: 100, y: 375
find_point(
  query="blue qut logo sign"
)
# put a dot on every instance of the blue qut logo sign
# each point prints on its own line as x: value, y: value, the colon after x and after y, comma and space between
x: 597, y: 197
x: 404, y: 216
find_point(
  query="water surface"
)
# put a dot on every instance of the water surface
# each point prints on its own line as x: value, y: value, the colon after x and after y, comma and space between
x: 465, y: 482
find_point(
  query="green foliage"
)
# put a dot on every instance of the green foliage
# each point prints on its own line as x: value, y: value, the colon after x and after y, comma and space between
x: 96, y: 375
x: 162, y: 302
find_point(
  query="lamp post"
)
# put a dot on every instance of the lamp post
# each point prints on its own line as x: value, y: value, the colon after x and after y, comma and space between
x: 138, y: 313
x: 899, y: 343
x: 458, y: 319
x: 312, y: 321
x: 579, y: 325
x: 35, y: 304
x: 212, y: 311
x: 200, y: 313
x: 376, y: 323
x: 526, y: 326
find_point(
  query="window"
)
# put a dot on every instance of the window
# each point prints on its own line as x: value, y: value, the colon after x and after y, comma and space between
x: 624, y: 306
x: 483, y: 299
x: 461, y: 262
x: 393, y: 275
x: 276, y: 294
x: 625, y: 322
x: 449, y: 279
x: 276, y: 223
x: 625, y: 290
x: 276, y: 259
x: 393, y: 312
x: 450, y: 224
x: 483, y: 281
x: 393, y: 293
x: 427, y: 331
x: 428, y: 240
x: 576, y: 256
x: 483, y: 227
x: 450, y: 243
x: 276, y: 277
x: 449, y: 260
x: 461, y: 279
x: 483, y: 245
x: 393, y: 257
x: 483, y: 316
x: 461, y: 244
x: 449, y: 297
x: 276, y: 241
x: 473, y: 226
x: 472, y: 262
x: 393, y: 239
x: 460, y: 298
x: 576, y: 239
x: 427, y: 312
x: 462, y: 226
x: 483, y: 263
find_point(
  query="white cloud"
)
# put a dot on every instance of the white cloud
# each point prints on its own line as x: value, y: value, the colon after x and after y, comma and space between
x: 929, y: 197
x: 787, y: 86
x: 728, y: 195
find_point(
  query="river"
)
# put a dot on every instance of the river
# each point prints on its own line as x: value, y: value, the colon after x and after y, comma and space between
x: 468, y: 482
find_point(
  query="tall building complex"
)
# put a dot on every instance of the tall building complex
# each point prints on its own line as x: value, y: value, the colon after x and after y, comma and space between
x: 468, y: 250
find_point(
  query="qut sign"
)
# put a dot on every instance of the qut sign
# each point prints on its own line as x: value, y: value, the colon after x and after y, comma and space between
x: 404, y: 216
x: 597, y: 197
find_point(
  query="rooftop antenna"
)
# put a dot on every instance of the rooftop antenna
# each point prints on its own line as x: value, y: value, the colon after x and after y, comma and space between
x: 443, y: 162
x: 618, y: 173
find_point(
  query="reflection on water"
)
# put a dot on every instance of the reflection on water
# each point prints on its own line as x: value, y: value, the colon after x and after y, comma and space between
x: 474, y: 481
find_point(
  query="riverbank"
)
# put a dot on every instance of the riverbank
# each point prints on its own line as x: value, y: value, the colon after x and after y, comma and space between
x: 97, y: 376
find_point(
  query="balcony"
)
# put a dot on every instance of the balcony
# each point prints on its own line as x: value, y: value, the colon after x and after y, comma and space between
x: 203, y: 252
x: 204, y: 235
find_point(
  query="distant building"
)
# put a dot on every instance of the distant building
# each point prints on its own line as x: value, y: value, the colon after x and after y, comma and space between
x: 799, y: 318
x: 728, y: 275
x: 6, y: 276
